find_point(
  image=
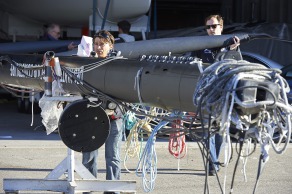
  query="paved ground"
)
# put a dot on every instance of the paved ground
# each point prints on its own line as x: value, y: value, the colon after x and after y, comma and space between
x: 29, y: 153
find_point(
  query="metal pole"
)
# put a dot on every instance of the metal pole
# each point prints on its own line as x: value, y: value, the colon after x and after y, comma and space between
x: 94, y: 7
x: 155, y: 19
x: 105, y: 13
x: 48, y: 73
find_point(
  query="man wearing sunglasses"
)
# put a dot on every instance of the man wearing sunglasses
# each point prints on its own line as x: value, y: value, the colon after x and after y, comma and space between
x: 103, y: 44
x: 214, y: 26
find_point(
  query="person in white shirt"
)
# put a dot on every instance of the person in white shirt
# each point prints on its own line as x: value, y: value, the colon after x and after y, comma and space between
x: 124, y: 32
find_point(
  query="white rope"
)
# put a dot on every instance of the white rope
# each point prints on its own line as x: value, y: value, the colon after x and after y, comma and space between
x: 216, y: 94
x: 148, y: 160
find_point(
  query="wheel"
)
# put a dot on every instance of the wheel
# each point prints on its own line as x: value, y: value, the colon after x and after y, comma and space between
x: 20, y: 105
x: 28, y: 107
x: 36, y: 108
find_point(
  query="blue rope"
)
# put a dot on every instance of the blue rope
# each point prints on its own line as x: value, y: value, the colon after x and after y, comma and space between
x: 148, y: 160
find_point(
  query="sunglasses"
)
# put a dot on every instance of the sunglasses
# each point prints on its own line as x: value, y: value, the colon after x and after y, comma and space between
x: 212, y: 26
x: 103, y: 35
x: 58, y: 33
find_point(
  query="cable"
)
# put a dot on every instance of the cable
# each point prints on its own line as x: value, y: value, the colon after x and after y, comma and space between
x: 242, y: 134
x: 264, y: 110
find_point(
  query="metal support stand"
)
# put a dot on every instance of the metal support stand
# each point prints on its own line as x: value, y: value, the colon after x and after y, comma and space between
x: 70, y: 185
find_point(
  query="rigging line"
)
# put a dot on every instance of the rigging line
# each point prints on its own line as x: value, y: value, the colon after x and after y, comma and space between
x: 279, y: 39
x: 98, y: 62
x: 244, y: 159
x: 102, y: 63
x: 137, y: 86
x: 242, y: 135
x: 260, y: 170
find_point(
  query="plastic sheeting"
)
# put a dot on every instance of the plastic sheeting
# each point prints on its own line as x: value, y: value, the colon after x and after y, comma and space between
x: 273, y: 49
x: 51, y: 110
x: 278, y: 48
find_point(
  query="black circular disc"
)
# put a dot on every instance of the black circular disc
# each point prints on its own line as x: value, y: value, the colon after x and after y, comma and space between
x: 84, y: 126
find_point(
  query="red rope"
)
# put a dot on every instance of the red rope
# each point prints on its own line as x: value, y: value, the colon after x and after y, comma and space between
x: 177, y: 143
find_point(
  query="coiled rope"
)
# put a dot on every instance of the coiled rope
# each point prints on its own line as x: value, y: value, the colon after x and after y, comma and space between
x: 216, y: 94
x: 148, y: 161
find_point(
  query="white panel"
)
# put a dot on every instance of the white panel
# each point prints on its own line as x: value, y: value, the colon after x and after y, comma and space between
x: 123, y: 9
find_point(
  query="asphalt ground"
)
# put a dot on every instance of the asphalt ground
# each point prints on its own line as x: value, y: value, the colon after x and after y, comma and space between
x: 26, y: 152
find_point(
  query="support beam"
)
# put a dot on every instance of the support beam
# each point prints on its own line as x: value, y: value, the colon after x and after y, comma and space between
x: 70, y: 185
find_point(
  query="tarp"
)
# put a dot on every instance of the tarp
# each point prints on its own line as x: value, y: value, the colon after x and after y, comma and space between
x: 279, y: 48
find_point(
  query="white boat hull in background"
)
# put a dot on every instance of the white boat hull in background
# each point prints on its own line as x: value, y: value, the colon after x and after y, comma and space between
x: 27, y: 17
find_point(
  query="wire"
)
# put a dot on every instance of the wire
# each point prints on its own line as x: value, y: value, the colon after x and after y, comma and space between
x: 264, y: 111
